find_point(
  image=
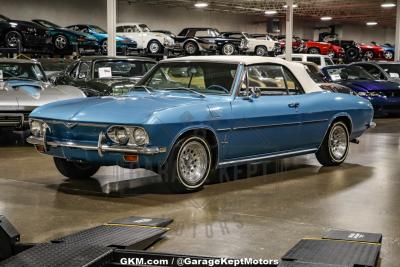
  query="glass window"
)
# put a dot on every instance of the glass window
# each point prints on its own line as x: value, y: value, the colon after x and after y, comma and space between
x: 293, y: 85
x: 203, y: 77
x: 316, y: 60
x: 144, y: 28
x: 22, y: 71
x: 392, y: 69
x: 270, y: 79
x: 297, y: 59
x: 123, y: 68
x: 374, y: 71
x: 328, y: 61
x: 128, y: 29
x: 348, y: 73
x: 73, y: 69
x: 84, y: 70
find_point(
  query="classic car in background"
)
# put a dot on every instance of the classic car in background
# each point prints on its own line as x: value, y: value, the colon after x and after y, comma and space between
x: 323, y: 48
x: 154, y: 43
x: 166, y: 32
x: 102, y: 75
x: 320, y: 60
x: 298, y: 45
x: 124, y: 45
x: 318, y: 77
x: 384, y: 95
x: 382, y: 70
x: 352, y: 49
x: 23, y: 87
x: 260, y: 45
x: 27, y: 34
x: 230, y: 110
x: 193, y: 41
x: 371, y: 51
x: 64, y: 40
x: 388, y: 51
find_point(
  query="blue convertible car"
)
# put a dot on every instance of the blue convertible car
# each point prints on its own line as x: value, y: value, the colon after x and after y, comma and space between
x: 190, y: 115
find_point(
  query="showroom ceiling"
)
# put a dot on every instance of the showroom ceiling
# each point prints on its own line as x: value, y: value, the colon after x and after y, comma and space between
x: 357, y: 11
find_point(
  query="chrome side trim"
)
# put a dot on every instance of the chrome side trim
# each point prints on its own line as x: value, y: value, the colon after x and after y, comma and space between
x: 100, y: 147
x: 315, y: 121
x: 267, y: 125
x: 265, y: 157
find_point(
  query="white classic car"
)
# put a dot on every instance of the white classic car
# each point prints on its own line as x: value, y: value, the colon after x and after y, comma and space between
x: 152, y: 42
x: 258, y: 44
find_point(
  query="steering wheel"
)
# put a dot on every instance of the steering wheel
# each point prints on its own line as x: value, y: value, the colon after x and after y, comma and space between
x: 219, y: 87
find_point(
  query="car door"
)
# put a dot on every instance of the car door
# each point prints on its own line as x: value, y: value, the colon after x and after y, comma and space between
x: 266, y: 124
x: 132, y: 32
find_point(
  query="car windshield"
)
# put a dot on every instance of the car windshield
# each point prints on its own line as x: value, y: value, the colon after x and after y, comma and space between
x: 349, y: 73
x: 48, y: 24
x: 144, y: 28
x: 200, y: 77
x: 314, y: 74
x: 97, y: 29
x: 121, y: 68
x: 392, y: 69
x: 22, y: 71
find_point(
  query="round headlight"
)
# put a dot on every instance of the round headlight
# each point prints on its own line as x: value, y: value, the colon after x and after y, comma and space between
x: 140, y: 137
x: 36, y: 128
x: 362, y: 93
x: 118, y: 135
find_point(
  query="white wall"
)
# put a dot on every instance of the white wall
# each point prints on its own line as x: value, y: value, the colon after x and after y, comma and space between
x: 66, y: 12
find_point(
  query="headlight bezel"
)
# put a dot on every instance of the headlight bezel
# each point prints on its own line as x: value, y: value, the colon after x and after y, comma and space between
x: 130, y: 132
x: 38, y: 127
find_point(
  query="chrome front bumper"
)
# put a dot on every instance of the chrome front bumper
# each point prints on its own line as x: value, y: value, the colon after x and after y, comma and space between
x: 100, y: 148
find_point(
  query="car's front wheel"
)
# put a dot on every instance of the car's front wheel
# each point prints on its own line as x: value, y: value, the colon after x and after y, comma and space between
x: 389, y: 55
x: 154, y: 47
x: 313, y: 50
x: 335, y: 147
x: 188, y: 165
x: 13, y: 39
x: 228, y: 49
x: 261, y: 51
x: 75, y: 170
x: 369, y: 54
x: 60, y: 42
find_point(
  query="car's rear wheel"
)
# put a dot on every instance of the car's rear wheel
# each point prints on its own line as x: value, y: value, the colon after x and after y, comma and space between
x: 60, y: 42
x: 352, y: 54
x: 313, y: 50
x: 228, y: 49
x: 154, y: 47
x: 369, y: 54
x: 188, y: 165
x: 191, y: 48
x: 335, y: 147
x: 104, y: 47
x: 13, y: 39
x: 261, y: 51
x: 75, y: 170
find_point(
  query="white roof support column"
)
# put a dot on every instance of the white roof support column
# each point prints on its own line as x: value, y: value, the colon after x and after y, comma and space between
x: 397, y: 39
x: 289, y: 30
x: 111, y: 26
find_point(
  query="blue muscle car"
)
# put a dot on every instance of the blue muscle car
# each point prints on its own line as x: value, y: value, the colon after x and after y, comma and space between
x: 384, y: 95
x: 221, y: 111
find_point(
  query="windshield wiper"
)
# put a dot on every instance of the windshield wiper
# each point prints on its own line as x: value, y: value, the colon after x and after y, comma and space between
x: 188, y: 89
x: 148, y: 89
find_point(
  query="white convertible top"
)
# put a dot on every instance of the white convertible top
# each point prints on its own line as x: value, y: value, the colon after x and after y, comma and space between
x: 298, y: 69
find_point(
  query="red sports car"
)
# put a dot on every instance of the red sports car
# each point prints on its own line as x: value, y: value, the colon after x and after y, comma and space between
x: 334, y: 51
x: 371, y: 51
x: 298, y: 45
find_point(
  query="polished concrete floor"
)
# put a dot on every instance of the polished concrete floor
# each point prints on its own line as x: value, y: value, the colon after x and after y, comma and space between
x: 261, y: 213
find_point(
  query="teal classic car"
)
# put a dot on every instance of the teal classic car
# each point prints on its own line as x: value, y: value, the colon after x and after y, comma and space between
x: 124, y: 44
x: 64, y: 41
x: 221, y: 111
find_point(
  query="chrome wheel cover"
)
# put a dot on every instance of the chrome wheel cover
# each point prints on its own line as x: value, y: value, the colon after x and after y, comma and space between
x: 193, y: 163
x: 190, y: 48
x: 228, y: 49
x: 338, y: 142
x: 388, y: 55
x: 60, y: 42
x: 313, y: 51
x: 260, y: 51
x: 12, y: 39
x: 154, y: 47
x: 369, y: 54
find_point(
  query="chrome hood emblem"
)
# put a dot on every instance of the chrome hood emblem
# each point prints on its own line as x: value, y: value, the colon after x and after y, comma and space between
x: 70, y: 125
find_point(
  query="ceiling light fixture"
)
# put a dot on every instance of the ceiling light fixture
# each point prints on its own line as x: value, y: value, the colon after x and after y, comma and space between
x: 294, y: 6
x: 372, y: 23
x: 326, y: 18
x: 201, y: 5
x: 388, y: 5
x: 270, y: 12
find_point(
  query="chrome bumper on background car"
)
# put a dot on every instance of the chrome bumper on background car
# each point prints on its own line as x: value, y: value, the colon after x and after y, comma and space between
x: 16, y: 120
x: 101, y: 147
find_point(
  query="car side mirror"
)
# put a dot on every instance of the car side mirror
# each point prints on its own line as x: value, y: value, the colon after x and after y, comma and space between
x: 253, y: 92
x: 82, y: 76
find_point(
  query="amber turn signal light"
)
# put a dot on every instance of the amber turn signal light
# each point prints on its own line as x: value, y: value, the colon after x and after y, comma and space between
x: 131, y: 158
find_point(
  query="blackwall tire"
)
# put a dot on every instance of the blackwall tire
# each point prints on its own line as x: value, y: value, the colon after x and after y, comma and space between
x: 191, y: 48
x: 75, y: 170
x: 313, y: 50
x: 335, y: 147
x: 154, y: 47
x: 228, y: 49
x: 261, y: 51
x: 12, y: 38
x: 60, y: 43
x: 188, y: 165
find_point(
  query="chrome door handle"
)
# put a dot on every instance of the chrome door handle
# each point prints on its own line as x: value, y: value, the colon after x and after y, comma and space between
x: 294, y: 105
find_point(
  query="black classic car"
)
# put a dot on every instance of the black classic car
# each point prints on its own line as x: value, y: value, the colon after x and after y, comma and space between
x: 65, y: 41
x: 27, y: 34
x: 193, y: 41
x: 102, y: 75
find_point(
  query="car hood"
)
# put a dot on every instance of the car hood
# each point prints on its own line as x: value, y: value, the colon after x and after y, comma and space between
x: 79, y: 34
x: 28, y: 24
x: 370, y: 85
x: 30, y: 94
x: 137, y: 108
